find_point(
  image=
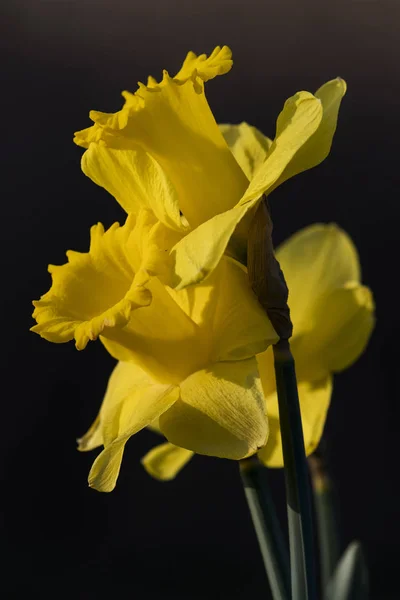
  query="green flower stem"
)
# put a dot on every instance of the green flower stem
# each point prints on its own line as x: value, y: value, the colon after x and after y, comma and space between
x: 298, y: 494
x: 325, y: 507
x: 267, y: 527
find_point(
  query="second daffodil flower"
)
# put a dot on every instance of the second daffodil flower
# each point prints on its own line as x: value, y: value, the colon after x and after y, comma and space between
x: 164, y: 151
x: 187, y: 358
x: 333, y: 317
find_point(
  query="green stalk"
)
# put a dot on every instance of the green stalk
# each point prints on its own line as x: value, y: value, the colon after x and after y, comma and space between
x: 325, y: 507
x: 298, y: 493
x: 266, y: 525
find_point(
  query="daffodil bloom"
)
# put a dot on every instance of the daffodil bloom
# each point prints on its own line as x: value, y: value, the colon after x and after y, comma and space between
x: 187, y: 358
x: 333, y: 316
x: 166, y: 292
x: 164, y: 151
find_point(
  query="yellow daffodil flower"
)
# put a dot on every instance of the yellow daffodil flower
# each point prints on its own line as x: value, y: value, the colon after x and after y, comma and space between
x: 333, y: 316
x: 164, y: 151
x: 167, y: 294
x: 187, y: 358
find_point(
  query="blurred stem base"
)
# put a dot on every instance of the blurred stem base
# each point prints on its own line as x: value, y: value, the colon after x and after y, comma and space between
x: 266, y: 524
x: 298, y: 493
x: 327, y: 517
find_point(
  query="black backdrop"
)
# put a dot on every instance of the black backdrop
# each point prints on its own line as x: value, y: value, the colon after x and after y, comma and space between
x: 191, y: 538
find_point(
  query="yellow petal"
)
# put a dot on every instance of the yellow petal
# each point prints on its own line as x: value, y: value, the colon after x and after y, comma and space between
x: 136, y: 181
x: 297, y: 122
x: 248, y: 145
x: 162, y: 339
x: 266, y: 368
x: 206, y: 67
x: 192, y: 259
x: 125, y: 379
x: 342, y: 323
x: 174, y: 124
x: 314, y: 403
x: 132, y: 401
x: 94, y: 291
x: 315, y: 261
x: 92, y: 438
x: 228, y: 313
x: 317, y: 147
x: 165, y: 461
x: 221, y: 412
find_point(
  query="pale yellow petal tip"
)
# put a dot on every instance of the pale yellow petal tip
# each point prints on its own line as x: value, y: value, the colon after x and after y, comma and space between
x: 165, y: 461
x: 337, y: 82
x: 103, y: 476
x: 99, y: 487
x: 332, y: 92
x: 342, y: 83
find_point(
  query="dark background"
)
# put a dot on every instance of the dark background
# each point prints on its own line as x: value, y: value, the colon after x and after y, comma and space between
x: 191, y: 538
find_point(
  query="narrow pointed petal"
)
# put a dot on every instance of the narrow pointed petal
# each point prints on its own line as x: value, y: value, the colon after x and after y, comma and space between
x: 125, y: 379
x: 221, y: 412
x: 132, y: 401
x: 296, y: 124
x: 314, y: 404
x: 165, y: 461
x: 317, y: 148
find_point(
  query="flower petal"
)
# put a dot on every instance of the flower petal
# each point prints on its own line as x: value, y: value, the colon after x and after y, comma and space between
x: 165, y: 461
x: 221, y: 412
x: 192, y: 259
x: 314, y: 403
x: 228, y: 313
x: 161, y: 338
x: 317, y: 147
x: 298, y: 121
x: 174, y: 124
x: 315, y: 261
x: 132, y: 401
x: 94, y: 291
x: 93, y: 438
x: 206, y: 67
x: 125, y: 379
x: 248, y: 145
x: 135, y: 180
x: 342, y: 323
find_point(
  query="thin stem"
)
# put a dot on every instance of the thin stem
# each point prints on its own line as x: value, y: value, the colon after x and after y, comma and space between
x: 266, y: 525
x: 298, y: 492
x: 326, y: 511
